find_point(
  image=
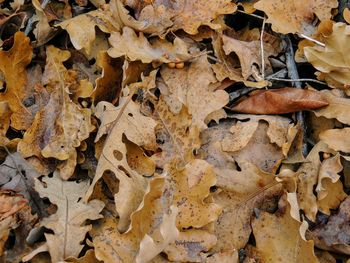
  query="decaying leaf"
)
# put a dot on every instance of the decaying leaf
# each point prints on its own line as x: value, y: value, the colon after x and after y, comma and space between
x: 135, y: 47
x: 279, y: 101
x: 62, y: 123
x: 194, y: 87
x: 18, y: 175
x: 334, y: 235
x: 124, y: 120
x: 68, y: 223
x: 295, y: 16
x: 13, y: 67
x: 278, y: 238
x: 332, y: 60
x: 337, y: 139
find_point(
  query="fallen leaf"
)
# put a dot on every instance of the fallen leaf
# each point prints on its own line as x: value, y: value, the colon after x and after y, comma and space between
x: 176, y: 135
x: 194, y: 87
x: 18, y: 175
x: 62, y: 123
x: 278, y: 238
x: 337, y: 139
x: 13, y: 67
x: 295, y: 16
x: 334, y: 235
x: 124, y: 120
x: 135, y: 47
x: 68, y: 223
x: 280, y: 101
x: 331, y: 60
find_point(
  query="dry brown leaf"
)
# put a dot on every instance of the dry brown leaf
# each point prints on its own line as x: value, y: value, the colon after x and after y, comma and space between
x: 176, y: 135
x: 124, y: 120
x: 189, y: 246
x: 308, y: 176
x: 81, y: 28
x: 334, y: 235
x: 61, y: 125
x: 135, y: 47
x: 295, y: 16
x: 18, y: 175
x: 108, y: 85
x: 239, y: 193
x: 151, y: 225
x: 249, y: 54
x: 227, y: 66
x: 89, y: 257
x: 278, y: 238
x: 191, y: 185
x: 280, y: 101
x: 13, y: 65
x: 15, y: 216
x: 181, y: 14
x: 332, y: 60
x: 194, y: 87
x: 68, y: 223
x: 338, y: 107
x: 337, y: 139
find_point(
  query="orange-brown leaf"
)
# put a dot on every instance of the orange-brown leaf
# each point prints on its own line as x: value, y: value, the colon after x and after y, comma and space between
x: 280, y: 101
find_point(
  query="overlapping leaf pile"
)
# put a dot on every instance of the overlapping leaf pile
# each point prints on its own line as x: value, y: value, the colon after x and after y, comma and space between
x: 174, y: 131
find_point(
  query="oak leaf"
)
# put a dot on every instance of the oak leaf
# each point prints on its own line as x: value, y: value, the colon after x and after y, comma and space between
x: 176, y: 135
x: 62, y: 123
x: 295, y: 16
x: 334, y: 235
x: 124, y: 120
x: 135, y: 47
x: 13, y: 67
x: 69, y: 222
x: 338, y: 107
x: 337, y: 139
x: 194, y: 87
x: 240, y: 193
x: 332, y: 60
x: 186, y: 15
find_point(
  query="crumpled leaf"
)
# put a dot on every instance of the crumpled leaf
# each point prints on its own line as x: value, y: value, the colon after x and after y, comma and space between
x: 81, y: 28
x: 181, y: 189
x: 249, y: 55
x: 152, y: 227
x: 62, y: 123
x: 186, y: 15
x: 18, y: 175
x: 280, y: 101
x: 295, y: 16
x: 308, y: 176
x: 278, y: 238
x: 338, y: 107
x: 176, y: 135
x: 337, y: 139
x: 126, y: 119
x: 13, y: 65
x: 334, y: 235
x: 194, y: 87
x: 135, y: 47
x: 240, y: 192
x: 15, y: 215
x: 332, y: 60
x: 68, y: 223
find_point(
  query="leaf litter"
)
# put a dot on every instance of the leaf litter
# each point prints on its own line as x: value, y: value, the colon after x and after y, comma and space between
x: 174, y: 131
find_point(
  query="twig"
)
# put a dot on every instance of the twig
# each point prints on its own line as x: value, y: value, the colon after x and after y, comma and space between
x: 294, y: 75
x: 294, y: 80
x: 312, y: 40
x: 262, y: 49
x: 253, y: 15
